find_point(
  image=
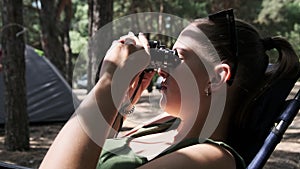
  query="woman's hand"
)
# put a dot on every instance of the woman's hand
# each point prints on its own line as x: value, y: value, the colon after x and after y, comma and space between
x: 121, y: 50
x: 118, y: 55
x: 141, y: 81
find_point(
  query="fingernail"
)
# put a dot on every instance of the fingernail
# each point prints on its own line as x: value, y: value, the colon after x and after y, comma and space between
x: 130, y: 33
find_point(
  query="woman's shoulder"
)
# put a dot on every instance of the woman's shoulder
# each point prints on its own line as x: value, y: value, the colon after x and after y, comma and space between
x: 216, y: 152
x: 196, y: 152
x: 205, y: 154
x: 210, y: 155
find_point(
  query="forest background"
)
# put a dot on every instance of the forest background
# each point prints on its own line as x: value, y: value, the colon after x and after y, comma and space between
x: 61, y: 29
x: 71, y: 23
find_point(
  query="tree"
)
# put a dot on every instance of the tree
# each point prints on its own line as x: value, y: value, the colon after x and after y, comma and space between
x: 55, y: 19
x: 51, y: 42
x: 32, y: 24
x: 65, y: 6
x: 79, y: 36
x: 100, y: 13
x: 281, y: 18
x: 13, y: 46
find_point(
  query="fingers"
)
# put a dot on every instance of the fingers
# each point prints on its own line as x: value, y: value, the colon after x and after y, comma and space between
x: 144, y: 42
x: 131, y: 39
x: 131, y: 42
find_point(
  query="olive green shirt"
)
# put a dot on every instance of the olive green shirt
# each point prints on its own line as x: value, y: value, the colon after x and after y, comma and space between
x: 116, y: 153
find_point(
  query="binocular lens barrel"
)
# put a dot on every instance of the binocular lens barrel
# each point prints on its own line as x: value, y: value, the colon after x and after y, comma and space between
x: 162, y: 57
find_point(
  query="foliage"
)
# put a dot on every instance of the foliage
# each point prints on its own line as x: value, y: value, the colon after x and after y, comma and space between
x: 273, y: 17
x: 293, y: 16
x: 249, y: 10
x: 79, y: 26
x: 187, y: 9
x: 32, y: 24
x: 39, y: 52
x: 294, y: 37
x: 281, y: 18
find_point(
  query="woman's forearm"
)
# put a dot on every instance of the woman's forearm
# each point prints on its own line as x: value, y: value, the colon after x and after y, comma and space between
x: 78, y: 145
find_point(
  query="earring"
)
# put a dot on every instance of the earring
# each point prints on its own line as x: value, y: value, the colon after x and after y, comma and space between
x: 207, y: 90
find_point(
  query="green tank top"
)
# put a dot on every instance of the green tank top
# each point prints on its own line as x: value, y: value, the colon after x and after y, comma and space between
x: 116, y: 153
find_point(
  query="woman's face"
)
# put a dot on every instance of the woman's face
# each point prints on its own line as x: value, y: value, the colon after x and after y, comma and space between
x: 190, y: 71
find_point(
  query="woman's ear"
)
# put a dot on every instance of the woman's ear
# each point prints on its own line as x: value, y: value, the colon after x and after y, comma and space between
x: 222, y: 75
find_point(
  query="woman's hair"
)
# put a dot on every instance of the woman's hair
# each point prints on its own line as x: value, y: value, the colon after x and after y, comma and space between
x: 253, y: 74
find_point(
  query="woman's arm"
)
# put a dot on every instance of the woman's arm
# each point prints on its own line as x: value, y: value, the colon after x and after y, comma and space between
x: 79, y: 143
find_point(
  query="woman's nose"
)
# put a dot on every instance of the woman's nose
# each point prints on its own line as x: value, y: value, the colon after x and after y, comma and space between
x: 162, y: 73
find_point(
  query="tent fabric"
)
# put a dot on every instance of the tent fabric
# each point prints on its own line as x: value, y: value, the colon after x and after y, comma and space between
x: 49, y: 97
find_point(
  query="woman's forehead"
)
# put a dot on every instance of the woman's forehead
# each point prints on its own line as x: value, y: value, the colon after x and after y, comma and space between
x: 194, y: 40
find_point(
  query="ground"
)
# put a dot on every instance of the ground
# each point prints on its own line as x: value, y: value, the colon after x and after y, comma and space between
x: 285, y: 156
x: 41, y: 138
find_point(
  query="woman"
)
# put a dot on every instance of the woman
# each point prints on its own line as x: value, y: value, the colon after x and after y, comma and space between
x: 219, y: 80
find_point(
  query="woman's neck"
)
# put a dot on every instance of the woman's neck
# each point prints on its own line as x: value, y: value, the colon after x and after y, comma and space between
x: 208, y: 123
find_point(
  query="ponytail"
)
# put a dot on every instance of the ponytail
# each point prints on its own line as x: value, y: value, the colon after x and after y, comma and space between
x: 257, y: 114
x: 286, y: 68
x: 287, y: 65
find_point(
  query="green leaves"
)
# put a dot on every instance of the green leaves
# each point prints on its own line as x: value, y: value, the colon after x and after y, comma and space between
x: 281, y: 17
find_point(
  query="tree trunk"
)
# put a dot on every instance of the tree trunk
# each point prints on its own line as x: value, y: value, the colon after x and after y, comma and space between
x: 16, y: 123
x: 100, y: 13
x: 51, y: 42
x: 66, y: 7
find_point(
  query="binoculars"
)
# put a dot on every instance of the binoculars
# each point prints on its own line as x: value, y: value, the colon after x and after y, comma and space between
x: 162, y: 57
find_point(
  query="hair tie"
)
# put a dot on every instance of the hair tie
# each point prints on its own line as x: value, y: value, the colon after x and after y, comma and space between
x: 268, y: 43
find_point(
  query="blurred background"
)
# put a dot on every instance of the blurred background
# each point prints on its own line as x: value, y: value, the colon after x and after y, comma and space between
x: 59, y: 30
